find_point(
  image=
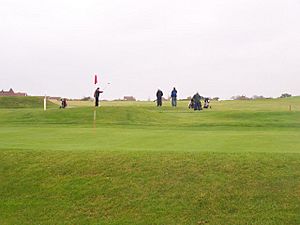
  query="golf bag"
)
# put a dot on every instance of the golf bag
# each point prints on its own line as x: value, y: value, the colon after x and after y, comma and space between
x: 206, y: 103
x: 63, y: 103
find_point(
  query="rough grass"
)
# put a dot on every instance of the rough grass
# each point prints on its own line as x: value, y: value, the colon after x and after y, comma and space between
x: 237, y: 163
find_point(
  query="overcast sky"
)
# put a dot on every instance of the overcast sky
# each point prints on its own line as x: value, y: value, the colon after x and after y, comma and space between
x: 219, y: 48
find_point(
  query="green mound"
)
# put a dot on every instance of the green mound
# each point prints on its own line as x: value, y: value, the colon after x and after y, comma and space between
x: 24, y: 102
x: 134, y: 163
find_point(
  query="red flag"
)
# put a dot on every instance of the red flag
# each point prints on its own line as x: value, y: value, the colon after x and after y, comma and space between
x: 96, y: 80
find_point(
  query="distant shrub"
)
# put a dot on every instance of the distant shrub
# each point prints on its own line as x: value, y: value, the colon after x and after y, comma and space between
x: 86, y: 99
x: 240, y: 97
x: 258, y: 97
x: 285, y: 95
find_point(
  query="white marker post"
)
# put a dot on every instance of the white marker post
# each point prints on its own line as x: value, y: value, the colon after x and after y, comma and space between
x: 45, y: 103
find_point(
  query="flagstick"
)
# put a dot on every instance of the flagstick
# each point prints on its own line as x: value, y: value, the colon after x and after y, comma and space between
x: 95, y: 115
x: 95, y: 112
x: 95, y: 83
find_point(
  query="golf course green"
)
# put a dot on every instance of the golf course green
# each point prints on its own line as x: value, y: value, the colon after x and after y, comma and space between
x: 134, y: 163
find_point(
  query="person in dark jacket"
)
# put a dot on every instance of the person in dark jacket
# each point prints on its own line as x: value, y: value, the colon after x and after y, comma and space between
x: 174, y: 97
x: 97, y: 95
x: 159, y: 95
x: 197, y: 102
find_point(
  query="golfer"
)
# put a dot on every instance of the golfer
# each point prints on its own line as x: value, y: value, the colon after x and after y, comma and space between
x: 197, y: 102
x: 97, y: 95
x: 174, y: 97
x: 159, y: 95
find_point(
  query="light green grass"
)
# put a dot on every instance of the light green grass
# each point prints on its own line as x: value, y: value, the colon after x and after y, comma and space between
x: 237, y: 163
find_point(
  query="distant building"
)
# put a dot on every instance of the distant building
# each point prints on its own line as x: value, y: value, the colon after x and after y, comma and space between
x: 129, y: 98
x: 11, y: 93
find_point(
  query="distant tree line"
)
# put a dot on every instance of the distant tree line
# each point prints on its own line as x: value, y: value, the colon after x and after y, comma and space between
x: 237, y: 97
x: 244, y: 97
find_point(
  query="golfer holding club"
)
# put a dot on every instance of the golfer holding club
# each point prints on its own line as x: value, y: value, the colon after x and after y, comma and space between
x: 97, y: 95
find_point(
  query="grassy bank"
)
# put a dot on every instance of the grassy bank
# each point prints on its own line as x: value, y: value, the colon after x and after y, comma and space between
x: 7, y: 102
x: 237, y: 163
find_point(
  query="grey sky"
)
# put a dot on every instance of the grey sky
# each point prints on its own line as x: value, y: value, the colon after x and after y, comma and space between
x: 219, y: 48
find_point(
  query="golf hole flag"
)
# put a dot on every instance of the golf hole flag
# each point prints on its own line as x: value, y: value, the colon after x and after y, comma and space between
x: 96, y: 79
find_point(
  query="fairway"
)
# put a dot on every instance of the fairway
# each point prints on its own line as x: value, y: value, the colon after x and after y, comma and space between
x: 134, y: 163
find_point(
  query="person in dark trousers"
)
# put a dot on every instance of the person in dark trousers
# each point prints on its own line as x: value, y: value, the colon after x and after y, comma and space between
x: 159, y: 95
x: 174, y: 97
x: 197, y: 102
x: 97, y: 95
